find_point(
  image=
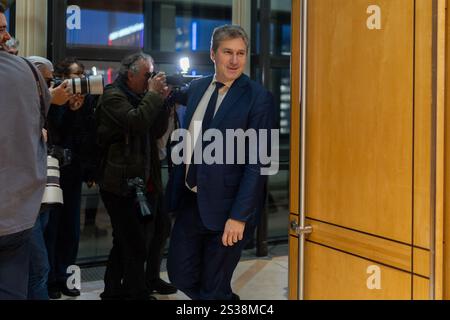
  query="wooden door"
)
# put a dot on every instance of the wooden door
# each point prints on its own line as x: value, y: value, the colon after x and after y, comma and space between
x: 369, y: 149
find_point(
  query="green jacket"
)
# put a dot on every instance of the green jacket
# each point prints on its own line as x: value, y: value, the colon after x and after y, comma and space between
x: 128, y: 128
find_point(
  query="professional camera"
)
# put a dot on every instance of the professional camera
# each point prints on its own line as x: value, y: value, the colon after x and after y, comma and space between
x: 53, y: 195
x: 89, y: 85
x: 57, y: 157
x: 137, y: 186
x: 64, y: 156
x: 178, y: 80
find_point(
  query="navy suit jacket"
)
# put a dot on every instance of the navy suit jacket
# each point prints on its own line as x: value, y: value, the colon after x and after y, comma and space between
x: 226, y: 191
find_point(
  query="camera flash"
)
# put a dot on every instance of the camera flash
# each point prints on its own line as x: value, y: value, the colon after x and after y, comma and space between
x: 185, y: 65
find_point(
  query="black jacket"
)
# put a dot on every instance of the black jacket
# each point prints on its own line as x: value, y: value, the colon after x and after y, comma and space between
x: 128, y: 128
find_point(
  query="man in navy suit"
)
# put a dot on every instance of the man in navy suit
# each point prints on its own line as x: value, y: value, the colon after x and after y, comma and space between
x: 217, y: 204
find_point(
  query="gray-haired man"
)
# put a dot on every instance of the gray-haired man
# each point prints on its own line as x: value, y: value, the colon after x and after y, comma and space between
x: 132, y: 118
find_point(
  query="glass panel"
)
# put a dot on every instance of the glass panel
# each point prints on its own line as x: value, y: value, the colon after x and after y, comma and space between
x: 278, y: 202
x: 195, y: 34
x: 280, y: 86
x: 278, y: 199
x: 96, y: 231
x: 169, y: 26
x: 280, y: 27
x: 107, y: 24
x: 187, y: 25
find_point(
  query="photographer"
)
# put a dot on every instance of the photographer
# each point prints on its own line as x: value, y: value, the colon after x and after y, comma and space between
x: 39, y: 265
x: 59, y: 93
x: 132, y: 117
x: 66, y: 128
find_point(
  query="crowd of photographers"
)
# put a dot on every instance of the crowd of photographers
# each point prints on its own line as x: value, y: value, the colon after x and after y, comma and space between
x: 59, y: 119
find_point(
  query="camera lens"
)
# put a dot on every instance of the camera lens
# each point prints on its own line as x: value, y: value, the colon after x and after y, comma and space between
x: 53, y: 192
x: 90, y: 85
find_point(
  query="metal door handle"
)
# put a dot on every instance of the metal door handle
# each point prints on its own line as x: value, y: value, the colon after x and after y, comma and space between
x: 299, y: 230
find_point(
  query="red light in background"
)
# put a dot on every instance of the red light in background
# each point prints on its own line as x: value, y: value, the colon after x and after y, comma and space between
x: 109, y: 73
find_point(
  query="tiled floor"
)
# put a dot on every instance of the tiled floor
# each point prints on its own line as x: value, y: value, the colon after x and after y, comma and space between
x: 254, y: 279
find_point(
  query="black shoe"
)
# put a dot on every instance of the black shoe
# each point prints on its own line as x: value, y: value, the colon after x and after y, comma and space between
x: 235, y: 297
x: 161, y: 287
x: 54, y: 294
x: 70, y: 292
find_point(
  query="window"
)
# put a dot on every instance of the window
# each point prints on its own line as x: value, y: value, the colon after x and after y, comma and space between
x: 112, y: 29
x: 165, y: 26
x: 273, y: 22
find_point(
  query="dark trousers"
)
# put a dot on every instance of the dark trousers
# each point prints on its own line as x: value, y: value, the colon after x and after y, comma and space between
x: 199, y: 264
x: 159, y: 233
x: 14, y: 265
x: 62, y: 235
x: 39, y: 266
x: 125, y: 273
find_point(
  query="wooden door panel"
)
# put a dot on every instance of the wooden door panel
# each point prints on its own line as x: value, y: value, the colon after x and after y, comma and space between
x: 379, y: 250
x: 360, y: 117
x: 333, y: 275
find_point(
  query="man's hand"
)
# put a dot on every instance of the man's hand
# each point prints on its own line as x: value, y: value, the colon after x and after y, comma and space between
x: 158, y: 85
x: 76, y: 102
x: 234, y: 232
x: 59, y: 94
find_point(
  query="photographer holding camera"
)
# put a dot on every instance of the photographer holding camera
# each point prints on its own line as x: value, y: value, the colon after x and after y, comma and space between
x: 67, y: 133
x: 39, y: 265
x: 132, y: 116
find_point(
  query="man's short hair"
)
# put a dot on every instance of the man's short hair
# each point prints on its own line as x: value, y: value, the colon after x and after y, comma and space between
x: 2, y: 8
x: 228, y: 32
x: 131, y: 63
x: 62, y: 68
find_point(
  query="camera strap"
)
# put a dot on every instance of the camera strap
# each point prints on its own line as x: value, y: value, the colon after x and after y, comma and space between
x: 41, y: 94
